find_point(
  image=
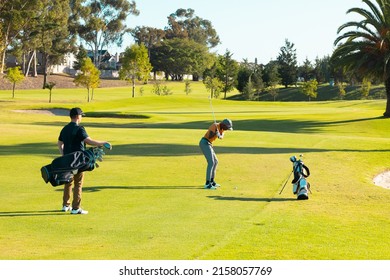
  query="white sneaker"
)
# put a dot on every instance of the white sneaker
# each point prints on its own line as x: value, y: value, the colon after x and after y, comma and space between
x: 215, y: 184
x: 65, y: 208
x: 209, y: 187
x: 78, y: 211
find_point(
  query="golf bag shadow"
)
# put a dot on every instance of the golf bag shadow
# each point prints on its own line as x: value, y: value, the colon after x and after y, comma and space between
x: 62, y: 169
x: 301, y: 186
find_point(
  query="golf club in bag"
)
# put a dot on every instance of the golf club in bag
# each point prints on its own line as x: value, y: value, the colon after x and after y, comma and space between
x: 62, y: 169
x: 300, y: 185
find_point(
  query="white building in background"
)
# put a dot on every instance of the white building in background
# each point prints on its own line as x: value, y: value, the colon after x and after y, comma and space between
x: 66, y: 67
x: 110, y: 65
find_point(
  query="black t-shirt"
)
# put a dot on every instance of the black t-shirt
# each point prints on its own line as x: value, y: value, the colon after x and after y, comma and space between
x: 73, y: 137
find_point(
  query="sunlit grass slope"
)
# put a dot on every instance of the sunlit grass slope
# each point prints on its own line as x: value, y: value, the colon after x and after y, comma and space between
x: 146, y: 200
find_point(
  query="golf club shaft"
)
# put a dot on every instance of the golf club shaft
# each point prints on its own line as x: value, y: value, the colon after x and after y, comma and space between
x: 286, y: 182
x: 212, y: 111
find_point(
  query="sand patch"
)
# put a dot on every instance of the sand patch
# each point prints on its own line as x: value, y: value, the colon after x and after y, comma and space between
x: 50, y: 112
x: 383, y: 180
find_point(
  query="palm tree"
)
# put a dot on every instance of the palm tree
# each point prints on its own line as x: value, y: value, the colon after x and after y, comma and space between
x: 365, y: 50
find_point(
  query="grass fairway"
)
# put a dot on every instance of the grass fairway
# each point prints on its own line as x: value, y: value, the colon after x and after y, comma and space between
x: 146, y: 200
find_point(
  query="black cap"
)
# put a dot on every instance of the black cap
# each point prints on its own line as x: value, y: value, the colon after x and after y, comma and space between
x: 75, y: 112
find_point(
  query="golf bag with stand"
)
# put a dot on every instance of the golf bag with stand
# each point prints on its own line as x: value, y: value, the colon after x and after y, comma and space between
x: 300, y: 185
x: 62, y: 169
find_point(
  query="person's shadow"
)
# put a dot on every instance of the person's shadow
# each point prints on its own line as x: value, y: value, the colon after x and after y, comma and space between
x: 256, y: 199
x: 31, y: 213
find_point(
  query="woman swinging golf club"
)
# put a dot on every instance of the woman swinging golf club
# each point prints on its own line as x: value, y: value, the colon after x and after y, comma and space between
x: 216, y: 130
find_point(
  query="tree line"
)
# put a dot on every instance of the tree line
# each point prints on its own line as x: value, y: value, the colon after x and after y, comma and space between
x: 185, y: 46
x: 54, y: 27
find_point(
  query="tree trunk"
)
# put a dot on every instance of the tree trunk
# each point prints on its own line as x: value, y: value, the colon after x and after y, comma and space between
x: 29, y: 64
x: 23, y: 62
x: 226, y: 84
x: 33, y: 58
x: 44, y: 79
x: 96, y: 57
x: 13, y: 90
x: 3, y: 62
x: 387, y: 85
x: 44, y: 66
x: 35, y: 73
x: 133, y: 83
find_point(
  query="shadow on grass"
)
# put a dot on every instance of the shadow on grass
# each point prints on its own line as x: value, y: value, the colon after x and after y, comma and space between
x: 31, y: 213
x: 167, y: 150
x: 292, y: 126
x: 100, y: 188
x: 241, y: 125
x: 115, y: 115
x: 164, y: 149
x: 216, y: 197
x: 284, y: 126
x: 273, y: 199
x: 47, y: 149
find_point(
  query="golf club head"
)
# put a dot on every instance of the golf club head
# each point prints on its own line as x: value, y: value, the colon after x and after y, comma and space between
x: 293, y: 159
x: 97, y: 165
x: 108, y: 146
x: 99, y: 153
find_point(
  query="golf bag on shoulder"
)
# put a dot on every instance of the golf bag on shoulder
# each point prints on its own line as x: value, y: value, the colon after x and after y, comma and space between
x: 300, y: 185
x: 62, y: 169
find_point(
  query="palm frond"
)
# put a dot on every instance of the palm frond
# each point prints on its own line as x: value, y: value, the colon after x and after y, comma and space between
x: 357, y: 35
x: 364, y: 46
x: 378, y: 10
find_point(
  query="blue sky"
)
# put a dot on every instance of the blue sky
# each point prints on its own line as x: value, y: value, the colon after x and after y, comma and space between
x: 258, y: 28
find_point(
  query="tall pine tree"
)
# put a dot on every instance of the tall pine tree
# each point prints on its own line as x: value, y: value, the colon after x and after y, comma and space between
x: 288, y: 66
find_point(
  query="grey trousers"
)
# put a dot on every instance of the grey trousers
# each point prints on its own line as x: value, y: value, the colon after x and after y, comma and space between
x: 212, y: 161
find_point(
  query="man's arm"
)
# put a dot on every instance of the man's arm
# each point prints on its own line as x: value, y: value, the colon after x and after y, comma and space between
x: 60, y: 145
x: 219, y: 134
x: 93, y: 142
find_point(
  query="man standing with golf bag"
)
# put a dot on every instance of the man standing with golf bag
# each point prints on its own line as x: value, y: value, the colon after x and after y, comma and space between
x: 216, y: 130
x: 73, y: 138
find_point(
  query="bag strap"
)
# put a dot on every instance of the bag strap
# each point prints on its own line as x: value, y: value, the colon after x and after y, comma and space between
x: 307, y: 171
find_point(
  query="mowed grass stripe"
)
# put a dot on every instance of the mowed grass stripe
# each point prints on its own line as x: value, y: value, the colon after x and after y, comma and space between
x: 146, y: 200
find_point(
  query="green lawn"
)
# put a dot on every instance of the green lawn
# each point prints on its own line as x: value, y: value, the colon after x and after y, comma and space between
x: 146, y: 200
